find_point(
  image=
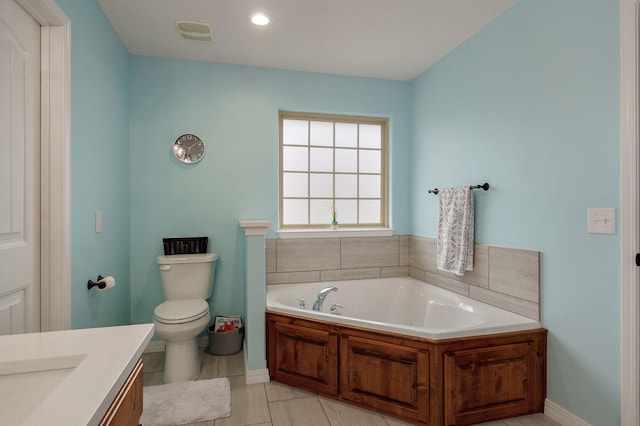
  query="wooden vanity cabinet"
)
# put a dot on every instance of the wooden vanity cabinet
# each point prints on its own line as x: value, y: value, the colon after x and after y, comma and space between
x: 126, y: 408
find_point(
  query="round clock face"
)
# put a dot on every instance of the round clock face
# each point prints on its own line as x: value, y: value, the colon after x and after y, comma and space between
x: 188, y: 148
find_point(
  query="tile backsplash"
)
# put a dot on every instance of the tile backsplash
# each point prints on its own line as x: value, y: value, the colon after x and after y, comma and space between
x: 504, y: 277
x: 330, y: 259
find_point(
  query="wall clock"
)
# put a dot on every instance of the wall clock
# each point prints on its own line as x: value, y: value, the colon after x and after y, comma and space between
x: 189, y: 148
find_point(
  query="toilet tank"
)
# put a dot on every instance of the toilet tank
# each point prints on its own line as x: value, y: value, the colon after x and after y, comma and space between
x: 187, y: 276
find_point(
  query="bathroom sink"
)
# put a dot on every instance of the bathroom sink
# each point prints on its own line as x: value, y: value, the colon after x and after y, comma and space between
x: 25, y: 383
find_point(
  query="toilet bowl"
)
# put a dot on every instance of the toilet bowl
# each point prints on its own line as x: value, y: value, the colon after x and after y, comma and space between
x: 187, y: 281
x: 178, y: 323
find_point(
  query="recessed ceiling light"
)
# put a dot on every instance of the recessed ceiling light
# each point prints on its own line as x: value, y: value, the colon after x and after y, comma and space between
x: 260, y: 19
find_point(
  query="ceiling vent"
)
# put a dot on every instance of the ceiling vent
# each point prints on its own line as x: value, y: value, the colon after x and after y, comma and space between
x: 195, y: 30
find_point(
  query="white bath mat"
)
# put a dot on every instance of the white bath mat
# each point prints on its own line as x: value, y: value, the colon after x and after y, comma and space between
x: 186, y: 402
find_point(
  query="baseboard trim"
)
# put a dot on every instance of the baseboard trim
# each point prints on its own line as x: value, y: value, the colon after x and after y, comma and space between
x: 254, y: 376
x: 561, y: 415
x: 257, y: 376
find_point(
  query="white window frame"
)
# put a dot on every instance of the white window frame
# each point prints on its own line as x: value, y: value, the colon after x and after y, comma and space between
x: 310, y: 228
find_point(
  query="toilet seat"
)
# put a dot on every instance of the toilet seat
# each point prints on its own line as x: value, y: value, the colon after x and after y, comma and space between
x: 181, y: 311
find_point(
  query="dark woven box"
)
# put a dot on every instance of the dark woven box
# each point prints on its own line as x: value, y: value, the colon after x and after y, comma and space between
x: 185, y: 245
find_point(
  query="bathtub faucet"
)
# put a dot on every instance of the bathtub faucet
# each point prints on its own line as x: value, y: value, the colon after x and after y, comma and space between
x: 317, y: 305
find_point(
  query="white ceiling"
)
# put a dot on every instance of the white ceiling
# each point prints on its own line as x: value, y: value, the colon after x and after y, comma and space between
x: 390, y: 39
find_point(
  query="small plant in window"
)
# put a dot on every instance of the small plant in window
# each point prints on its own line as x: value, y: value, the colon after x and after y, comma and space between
x: 334, y: 216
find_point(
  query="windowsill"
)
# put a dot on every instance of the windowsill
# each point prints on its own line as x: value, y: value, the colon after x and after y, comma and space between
x: 337, y: 233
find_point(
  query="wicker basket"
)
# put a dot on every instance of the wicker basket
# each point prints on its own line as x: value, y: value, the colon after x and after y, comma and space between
x: 185, y: 245
x: 225, y: 342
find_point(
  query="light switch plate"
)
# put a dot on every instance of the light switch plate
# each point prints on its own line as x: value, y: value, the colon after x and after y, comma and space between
x: 98, y: 222
x: 601, y: 221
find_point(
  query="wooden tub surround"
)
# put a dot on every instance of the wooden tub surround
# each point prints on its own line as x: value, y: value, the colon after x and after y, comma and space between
x: 458, y: 381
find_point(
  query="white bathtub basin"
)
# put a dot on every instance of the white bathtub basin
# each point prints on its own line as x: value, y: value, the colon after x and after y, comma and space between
x: 401, y: 305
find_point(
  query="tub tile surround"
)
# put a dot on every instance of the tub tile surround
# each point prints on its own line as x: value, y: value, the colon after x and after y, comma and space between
x: 308, y: 254
x: 505, y: 277
x: 331, y: 259
x: 508, y: 278
x: 515, y: 273
x: 369, y: 252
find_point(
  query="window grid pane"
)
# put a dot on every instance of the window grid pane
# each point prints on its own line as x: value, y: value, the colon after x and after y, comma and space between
x: 295, y: 185
x: 296, y: 132
x: 295, y: 159
x: 321, y: 159
x: 346, y: 185
x: 321, y: 133
x: 370, y: 136
x: 347, y: 135
x: 321, y: 185
x: 369, y: 186
x: 295, y: 211
x: 346, y: 158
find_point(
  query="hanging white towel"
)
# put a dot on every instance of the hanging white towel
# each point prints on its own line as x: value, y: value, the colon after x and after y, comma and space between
x: 455, y: 230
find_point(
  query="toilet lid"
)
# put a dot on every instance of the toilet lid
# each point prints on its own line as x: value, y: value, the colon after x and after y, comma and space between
x: 181, y: 311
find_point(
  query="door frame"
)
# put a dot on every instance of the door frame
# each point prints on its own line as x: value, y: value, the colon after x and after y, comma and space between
x: 55, y: 305
x: 630, y: 211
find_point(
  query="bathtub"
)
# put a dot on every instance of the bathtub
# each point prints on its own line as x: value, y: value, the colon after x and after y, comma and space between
x: 401, y: 305
x: 407, y: 349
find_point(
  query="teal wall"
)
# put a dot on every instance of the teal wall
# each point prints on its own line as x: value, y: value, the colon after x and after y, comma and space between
x: 234, y: 109
x: 531, y: 105
x: 99, y: 166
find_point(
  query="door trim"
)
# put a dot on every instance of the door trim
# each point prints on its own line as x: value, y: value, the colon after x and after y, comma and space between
x: 629, y: 228
x: 55, y: 298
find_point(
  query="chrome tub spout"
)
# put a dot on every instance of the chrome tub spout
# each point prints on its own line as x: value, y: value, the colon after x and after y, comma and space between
x: 317, y: 305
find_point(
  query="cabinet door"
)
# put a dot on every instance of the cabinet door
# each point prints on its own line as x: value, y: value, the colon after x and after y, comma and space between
x: 385, y: 376
x: 489, y: 383
x: 126, y: 408
x: 304, y: 357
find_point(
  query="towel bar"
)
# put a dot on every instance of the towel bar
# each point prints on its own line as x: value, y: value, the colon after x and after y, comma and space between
x: 484, y: 186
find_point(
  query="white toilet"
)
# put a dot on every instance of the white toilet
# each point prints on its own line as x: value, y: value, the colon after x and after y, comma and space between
x: 187, y: 281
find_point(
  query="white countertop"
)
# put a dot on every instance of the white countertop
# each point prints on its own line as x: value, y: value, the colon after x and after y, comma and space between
x: 106, y: 358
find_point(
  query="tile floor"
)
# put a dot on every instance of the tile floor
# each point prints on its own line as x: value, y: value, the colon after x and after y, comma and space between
x: 274, y: 404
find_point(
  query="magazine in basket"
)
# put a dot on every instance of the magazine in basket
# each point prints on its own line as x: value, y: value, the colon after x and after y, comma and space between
x: 227, y: 323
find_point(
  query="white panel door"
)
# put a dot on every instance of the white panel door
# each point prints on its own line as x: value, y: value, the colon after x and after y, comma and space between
x: 19, y: 170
